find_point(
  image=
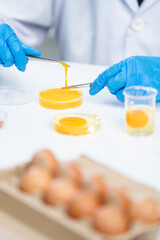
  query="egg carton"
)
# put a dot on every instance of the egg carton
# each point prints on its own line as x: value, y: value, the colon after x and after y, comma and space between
x: 25, y: 216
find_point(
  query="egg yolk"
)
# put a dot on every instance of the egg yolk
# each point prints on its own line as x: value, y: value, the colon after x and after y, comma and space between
x: 66, y: 70
x: 136, y: 118
x: 72, y: 126
x: 58, y: 98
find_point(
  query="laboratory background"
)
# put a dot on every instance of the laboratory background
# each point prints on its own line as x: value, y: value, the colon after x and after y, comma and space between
x: 49, y: 48
x: 79, y: 120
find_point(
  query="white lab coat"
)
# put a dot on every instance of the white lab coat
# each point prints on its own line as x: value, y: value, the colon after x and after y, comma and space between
x: 89, y: 31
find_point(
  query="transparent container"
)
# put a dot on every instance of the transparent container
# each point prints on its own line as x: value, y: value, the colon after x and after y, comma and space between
x: 58, y: 98
x: 76, y: 123
x: 139, y: 110
x: 3, y: 119
x: 14, y: 96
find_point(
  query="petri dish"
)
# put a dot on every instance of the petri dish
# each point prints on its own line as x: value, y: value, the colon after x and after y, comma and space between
x: 14, y: 96
x: 140, y: 110
x: 3, y: 119
x: 58, y: 98
x: 76, y: 123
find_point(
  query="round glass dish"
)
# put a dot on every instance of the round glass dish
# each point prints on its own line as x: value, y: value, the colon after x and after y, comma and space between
x: 76, y: 123
x: 14, y: 96
x: 58, y: 98
x: 3, y: 118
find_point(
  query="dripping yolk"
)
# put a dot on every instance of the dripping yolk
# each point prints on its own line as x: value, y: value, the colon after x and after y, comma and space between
x: 72, y: 126
x: 136, y: 118
x: 66, y: 70
x: 58, y: 98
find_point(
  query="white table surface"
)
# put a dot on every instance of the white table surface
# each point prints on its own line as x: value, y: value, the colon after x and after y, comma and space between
x: 30, y: 126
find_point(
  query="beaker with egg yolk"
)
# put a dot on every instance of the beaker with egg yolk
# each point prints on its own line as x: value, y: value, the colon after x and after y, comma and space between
x: 139, y: 110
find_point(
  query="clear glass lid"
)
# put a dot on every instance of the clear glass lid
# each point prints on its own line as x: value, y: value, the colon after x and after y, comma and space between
x: 14, y: 96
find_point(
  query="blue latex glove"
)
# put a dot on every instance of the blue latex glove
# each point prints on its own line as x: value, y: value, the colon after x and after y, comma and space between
x: 136, y: 70
x: 12, y: 51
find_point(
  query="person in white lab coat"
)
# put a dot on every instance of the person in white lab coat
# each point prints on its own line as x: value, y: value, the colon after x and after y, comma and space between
x: 88, y: 31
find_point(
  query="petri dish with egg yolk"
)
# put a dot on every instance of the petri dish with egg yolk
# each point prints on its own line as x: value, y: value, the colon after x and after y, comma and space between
x: 58, y: 98
x: 140, y: 110
x: 76, y: 123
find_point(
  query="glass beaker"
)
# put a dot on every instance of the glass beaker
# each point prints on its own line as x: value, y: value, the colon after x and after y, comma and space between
x: 139, y: 110
x: 3, y: 118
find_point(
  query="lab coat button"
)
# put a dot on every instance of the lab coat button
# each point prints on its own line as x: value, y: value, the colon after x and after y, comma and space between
x: 137, y: 24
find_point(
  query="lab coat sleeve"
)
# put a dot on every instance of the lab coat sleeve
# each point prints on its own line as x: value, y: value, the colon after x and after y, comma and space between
x: 30, y: 19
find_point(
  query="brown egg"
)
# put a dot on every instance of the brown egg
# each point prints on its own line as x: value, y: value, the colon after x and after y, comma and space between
x: 72, y: 172
x: 120, y: 199
x: 110, y: 220
x: 75, y: 174
x: 83, y: 204
x: 46, y: 160
x: 146, y: 211
x: 98, y: 187
x: 35, y: 179
x: 60, y: 191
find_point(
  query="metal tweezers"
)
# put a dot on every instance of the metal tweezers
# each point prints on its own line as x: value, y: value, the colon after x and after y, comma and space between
x: 33, y: 58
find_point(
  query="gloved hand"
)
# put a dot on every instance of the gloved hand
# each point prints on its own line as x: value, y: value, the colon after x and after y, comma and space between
x: 136, y: 70
x: 12, y: 51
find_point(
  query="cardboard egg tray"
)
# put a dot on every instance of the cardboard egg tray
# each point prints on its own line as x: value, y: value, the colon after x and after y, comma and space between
x: 26, y: 217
